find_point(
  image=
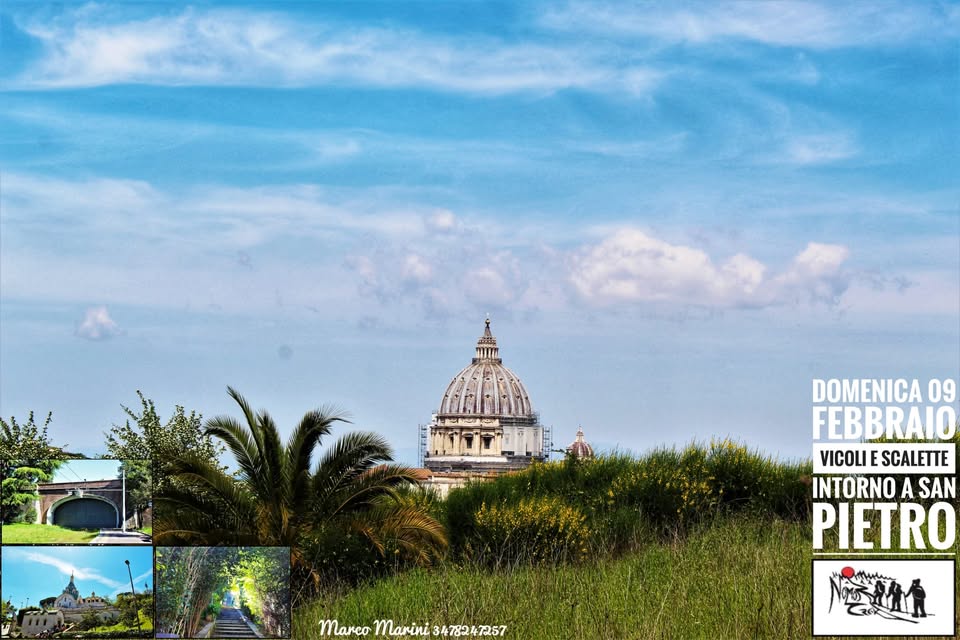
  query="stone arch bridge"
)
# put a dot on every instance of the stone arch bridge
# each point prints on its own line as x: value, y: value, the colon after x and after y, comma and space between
x: 91, y: 504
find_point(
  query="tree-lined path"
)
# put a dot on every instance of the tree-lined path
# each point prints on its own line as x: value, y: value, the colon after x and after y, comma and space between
x: 223, y: 592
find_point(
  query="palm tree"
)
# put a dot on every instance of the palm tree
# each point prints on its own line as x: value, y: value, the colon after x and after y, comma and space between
x: 278, y: 497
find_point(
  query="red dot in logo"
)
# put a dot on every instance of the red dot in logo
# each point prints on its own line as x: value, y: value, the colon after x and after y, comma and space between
x: 847, y: 572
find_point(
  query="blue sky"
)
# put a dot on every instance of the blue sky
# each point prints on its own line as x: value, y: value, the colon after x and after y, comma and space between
x: 75, y: 470
x: 676, y: 214
x: 41, y: 572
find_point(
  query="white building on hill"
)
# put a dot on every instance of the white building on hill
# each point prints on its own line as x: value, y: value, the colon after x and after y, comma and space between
x: 485, y: 424
x: 65, y: 610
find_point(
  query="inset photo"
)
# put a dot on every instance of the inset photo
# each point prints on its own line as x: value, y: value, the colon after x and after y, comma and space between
x: 223, y: 592
x: 77, y: 592
x: 77, y: 502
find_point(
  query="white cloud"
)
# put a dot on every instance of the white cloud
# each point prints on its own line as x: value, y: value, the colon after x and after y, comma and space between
x: 144, y: 246
x: 444, y: 278
x: 630, y: 266
x: 819, y: 149
x: 817, y: 25
x: 442, y: 221
x: 416, y: 270
x: 231, y: 217
x: 743, y: 273
x: 497, y: 281
x: 97, y: 325
x: 146, y: 576
x: 91, y: 47
x: 67, y: 568
x: 816, y: 273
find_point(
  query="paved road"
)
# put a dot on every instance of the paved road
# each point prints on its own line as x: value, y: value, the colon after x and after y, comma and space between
x: 116, y: 536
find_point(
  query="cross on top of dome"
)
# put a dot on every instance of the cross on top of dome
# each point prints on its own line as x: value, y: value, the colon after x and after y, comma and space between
x: 487, y: 350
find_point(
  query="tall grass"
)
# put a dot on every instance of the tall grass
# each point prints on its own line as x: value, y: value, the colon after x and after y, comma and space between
x: 742, y: 578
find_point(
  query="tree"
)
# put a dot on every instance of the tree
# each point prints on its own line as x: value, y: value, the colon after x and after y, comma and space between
x: 263, y: 574
x: 148, y: 438
x: 27, y: 440
x: 129, y: 610
x: 89, y: 620
x: 188, y: 580
x: 7, y: 610
x: 279, y: 498
x: 139, y: 479
x: 26, y: 458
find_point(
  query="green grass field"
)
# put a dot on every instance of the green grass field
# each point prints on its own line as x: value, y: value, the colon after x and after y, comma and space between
x: 146, y: 626
x: 739, y: 579
x: 45, y: 534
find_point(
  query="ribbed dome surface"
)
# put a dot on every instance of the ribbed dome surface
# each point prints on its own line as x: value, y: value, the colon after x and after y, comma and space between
x: 485, y: 386
x: 580, y: 448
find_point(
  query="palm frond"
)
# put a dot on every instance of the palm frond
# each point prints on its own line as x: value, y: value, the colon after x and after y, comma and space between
x: 347, y: 460
x: 184, y: 517
x: 240, y: 442
x: 408, y: 528
x: 364, y: 491
x: 299, y: 451
x: 208, y: 486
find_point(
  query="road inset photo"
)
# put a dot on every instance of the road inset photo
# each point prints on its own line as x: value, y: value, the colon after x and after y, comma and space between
x: 71, y: 501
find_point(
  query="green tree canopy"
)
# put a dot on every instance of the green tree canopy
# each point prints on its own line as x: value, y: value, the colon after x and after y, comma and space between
x: 280, y: 498
x: 144, y: 436
x: 139, y: 479
x: 29, y: 440
x: 264, y: 574
x: 26, y: 458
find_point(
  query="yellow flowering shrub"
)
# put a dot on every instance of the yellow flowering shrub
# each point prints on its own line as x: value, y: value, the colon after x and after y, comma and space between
x: 536, y: 529
x: 674, y: 487
x: 671, y: 487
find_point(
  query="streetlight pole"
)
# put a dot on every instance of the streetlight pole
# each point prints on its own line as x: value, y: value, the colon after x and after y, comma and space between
x: 133, y: 594
x: 123, y: 517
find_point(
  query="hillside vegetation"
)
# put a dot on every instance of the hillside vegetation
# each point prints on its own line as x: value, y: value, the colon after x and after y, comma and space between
x: 564, y: 510
x: 743, y: 578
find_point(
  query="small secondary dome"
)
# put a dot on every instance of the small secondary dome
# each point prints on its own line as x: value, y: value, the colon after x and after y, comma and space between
x: 485, y: 386
x: 580, y: 448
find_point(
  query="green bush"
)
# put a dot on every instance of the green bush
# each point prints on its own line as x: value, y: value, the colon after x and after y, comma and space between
x: 624, y: 500
x: 131, y: 633
x: 536, y: 529
x: 89, y: 621
x: 670, y: 488
x: 344, y: 558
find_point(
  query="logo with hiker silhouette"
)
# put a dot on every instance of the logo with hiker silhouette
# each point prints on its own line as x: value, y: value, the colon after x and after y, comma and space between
x: 884, y: 597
